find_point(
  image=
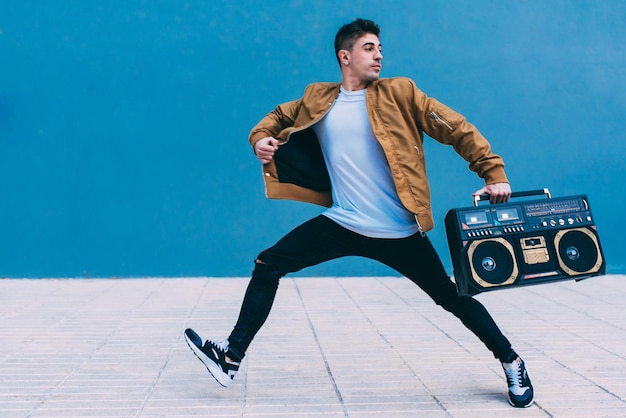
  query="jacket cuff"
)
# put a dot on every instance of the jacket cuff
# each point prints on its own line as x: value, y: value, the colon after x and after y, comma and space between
x: 256, y: 137
x: 495, y: 175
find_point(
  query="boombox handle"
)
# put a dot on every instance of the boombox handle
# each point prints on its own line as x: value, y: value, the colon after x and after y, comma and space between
x: 516, y: 194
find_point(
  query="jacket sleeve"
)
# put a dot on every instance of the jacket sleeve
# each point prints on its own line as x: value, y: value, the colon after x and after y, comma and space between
x: 276, y: 121
x: 450, y: 127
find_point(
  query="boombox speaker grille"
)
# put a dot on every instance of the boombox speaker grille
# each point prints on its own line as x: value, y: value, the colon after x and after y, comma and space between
x: 492, y: 262
x: 578, y: 251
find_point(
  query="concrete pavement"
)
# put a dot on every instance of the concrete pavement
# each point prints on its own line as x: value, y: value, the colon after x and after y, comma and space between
x: 332, y: 347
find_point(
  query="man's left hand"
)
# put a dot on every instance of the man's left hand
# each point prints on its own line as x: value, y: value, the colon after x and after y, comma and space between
x: 498, y: 192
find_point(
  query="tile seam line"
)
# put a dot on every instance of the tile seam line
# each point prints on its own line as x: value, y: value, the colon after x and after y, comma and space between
x: 321, y: 350
x: 51, y: 393
x: 575, y: 334
x: 172, y: 349
x: 382, y: 336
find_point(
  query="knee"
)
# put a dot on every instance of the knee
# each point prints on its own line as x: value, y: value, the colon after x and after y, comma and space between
x: 266, y: 272
x: 455, y: 304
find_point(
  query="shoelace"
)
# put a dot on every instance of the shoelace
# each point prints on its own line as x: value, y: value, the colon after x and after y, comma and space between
x: 514, y: 375
x: 221, y: 345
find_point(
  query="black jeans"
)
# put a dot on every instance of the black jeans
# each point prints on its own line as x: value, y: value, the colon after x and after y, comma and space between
x: 322, y: 239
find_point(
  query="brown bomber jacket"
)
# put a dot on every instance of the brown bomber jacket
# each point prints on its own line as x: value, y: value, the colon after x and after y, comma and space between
x: 400, y: 114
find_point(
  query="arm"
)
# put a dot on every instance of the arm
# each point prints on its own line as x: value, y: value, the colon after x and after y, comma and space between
x: 449, y: 127
x: 263, y: 137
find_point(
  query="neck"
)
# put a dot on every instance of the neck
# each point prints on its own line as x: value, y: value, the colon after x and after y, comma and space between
x: 353, y: 84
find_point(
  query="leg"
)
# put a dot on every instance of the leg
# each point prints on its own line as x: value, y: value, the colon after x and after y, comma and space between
x: 415, y: 258
x: 317, y: 240
x: 313, y: 242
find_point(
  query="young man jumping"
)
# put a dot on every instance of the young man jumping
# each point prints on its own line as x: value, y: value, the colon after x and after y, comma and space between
x: 357, y: 148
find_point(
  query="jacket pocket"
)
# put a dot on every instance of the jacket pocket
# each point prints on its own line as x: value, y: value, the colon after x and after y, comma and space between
x: 440, y: 120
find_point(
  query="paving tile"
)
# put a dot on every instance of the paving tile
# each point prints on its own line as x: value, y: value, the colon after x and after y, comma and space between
x: 332, y: 347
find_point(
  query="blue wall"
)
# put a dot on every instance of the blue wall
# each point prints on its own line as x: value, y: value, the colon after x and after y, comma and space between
x: 123, y: 124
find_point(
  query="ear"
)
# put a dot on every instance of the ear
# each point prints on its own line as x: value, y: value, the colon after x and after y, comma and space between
x: 344, y: 55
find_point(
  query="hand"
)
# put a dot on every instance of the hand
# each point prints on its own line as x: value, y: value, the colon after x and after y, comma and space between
x: 265, y: 149
x: 498, y: 192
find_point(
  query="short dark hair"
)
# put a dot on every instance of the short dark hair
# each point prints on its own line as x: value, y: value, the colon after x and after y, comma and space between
x: 350, y: 32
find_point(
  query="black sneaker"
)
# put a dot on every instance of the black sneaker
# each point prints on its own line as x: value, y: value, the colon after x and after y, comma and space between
x: 213, y: 355
x: 521, y: 393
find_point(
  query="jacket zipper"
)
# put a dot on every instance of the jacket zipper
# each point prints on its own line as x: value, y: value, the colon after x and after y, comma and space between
x: 419, y: 227
x: 440, y: 120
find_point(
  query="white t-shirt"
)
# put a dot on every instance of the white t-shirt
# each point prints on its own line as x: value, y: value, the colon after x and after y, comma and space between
x: 365, y: 200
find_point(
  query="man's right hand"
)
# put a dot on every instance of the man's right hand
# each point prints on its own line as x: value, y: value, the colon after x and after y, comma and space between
x: 265, y: 149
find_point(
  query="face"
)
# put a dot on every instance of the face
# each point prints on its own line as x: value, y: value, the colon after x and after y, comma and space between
x: 364, y: 61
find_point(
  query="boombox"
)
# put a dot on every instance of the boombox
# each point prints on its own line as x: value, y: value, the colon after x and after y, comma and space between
x: 529, y: 242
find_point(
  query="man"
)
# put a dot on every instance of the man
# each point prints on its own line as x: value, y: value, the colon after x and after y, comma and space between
x: 356, y: 147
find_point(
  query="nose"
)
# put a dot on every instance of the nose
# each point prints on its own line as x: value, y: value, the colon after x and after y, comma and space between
x: 378, y: 56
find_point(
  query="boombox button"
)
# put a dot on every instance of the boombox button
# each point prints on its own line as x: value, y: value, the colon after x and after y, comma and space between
x: 570, y: 221
x: 552, y: 222
x: 544, y: 223
x: 561, y: 222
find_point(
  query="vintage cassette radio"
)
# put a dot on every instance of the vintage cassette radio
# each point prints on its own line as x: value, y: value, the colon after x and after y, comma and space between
x: 523, y: 242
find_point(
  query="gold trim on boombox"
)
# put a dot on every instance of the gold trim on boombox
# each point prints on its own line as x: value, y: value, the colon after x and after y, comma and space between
x: 557, y: 240
x: 534, y: 250
x: 470, y: 252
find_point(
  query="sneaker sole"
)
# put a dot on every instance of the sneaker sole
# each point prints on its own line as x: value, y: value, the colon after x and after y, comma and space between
x: 532, y: 401
x: 214, y: 369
